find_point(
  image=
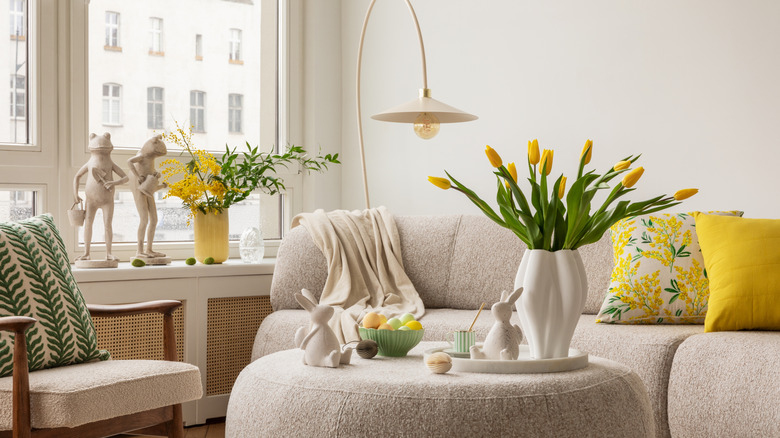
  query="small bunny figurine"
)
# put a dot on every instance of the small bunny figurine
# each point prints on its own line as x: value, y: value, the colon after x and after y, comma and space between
x: 503, y: 340
x: 320, y: 345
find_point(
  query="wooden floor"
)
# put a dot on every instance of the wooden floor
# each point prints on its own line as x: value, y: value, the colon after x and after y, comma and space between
x: 213, y: 430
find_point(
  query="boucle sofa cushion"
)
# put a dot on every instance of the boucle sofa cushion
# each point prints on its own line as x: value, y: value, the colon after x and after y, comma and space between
x: 79, y: 394
x: 454, y: 262
x: 647, y: 349
x: 280, y: 396
x: 36, y: 281
x: 726, y: 384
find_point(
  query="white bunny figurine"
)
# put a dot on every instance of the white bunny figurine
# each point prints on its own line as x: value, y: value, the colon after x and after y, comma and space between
x: 320, y: 345
x: 503, y: 340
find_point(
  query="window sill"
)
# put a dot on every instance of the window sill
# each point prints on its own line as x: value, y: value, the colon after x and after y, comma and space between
x: 153, y: 53
x: 113, y: 48
x: 198, y: 58
x: 236, y: 61
x: 177, y: 269
x: 18, y: 37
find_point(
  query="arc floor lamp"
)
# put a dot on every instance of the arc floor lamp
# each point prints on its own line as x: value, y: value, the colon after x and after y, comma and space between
x: 425, y: 112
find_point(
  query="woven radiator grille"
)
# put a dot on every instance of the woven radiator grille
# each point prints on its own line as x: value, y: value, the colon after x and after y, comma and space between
x: 231, y: 328
x: 138, y: 336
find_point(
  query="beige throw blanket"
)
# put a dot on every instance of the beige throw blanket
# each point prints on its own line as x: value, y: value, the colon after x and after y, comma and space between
x: 365, y: 269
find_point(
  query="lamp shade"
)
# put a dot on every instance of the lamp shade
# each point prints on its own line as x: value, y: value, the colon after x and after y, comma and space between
x: 408, y: 112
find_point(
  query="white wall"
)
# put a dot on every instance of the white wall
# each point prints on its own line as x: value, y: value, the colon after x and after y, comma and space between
x: 692, y: 85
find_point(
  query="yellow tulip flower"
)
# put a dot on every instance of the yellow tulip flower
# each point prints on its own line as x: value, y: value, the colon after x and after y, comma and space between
x: 533, y: 152
x: 588, y: 148
x: 512, y: 171
x: 632, y: 177
x: 547, y: 160
x: 495, y: 159
x: 562, y: 188
x: 620, y: 165
x: 442, y: 183
x: 685, y: 194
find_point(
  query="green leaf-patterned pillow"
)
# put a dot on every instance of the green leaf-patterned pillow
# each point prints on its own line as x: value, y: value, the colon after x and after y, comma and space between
x: 659, y: 275
x: 36, y: 281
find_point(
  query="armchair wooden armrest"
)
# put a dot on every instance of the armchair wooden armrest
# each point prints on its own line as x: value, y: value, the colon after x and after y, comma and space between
x: 166, y: 307
x: 21, y: 379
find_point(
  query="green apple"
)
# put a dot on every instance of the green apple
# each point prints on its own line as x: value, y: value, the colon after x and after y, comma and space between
x: 406, y: 317
x: 395, y: 322
x: 404, y: 328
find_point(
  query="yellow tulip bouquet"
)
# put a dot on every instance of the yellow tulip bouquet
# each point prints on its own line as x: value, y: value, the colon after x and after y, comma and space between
x: 549, y: 223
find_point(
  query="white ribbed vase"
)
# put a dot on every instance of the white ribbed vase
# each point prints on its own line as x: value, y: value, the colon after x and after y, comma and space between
x: 554, y: 290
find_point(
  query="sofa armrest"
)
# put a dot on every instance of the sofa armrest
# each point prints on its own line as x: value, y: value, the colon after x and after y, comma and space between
x: 21, y: 380
x: 166, y: 307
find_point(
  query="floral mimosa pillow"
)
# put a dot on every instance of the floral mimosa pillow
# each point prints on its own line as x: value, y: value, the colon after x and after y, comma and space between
x: 659, y: 275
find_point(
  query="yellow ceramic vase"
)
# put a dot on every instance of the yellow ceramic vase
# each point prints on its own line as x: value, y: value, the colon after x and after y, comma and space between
x: 211, y: 236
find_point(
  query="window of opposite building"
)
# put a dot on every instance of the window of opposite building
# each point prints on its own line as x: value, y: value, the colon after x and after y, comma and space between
x: 18, y: 98
x: 235, y: 105
x: 112, y: 29
x: 198, y: 111
x: 154, y: 108
x: 199, y: 47
x: 17, y: 19
x: 156, y: 35
x: 235, y: 45
x: 112, y: 104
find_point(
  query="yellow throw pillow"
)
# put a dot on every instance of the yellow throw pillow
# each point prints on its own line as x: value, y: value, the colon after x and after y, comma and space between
x: 742, y: 257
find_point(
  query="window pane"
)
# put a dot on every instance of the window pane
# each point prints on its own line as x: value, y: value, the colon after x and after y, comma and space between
x: 256, y: 211
x: 17, y: 204
x: 217, y: 27
x: 14, y: 53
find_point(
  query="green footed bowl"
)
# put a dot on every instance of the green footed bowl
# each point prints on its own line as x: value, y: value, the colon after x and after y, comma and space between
x: 393, y: 343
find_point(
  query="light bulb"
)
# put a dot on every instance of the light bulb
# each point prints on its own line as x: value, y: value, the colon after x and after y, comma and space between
x: 426, y: 126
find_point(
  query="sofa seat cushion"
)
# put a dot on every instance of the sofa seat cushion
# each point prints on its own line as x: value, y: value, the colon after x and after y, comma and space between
x: 78, y: 394
x: 277, y: 330
x: 647, y: 349
x: 726, y: 384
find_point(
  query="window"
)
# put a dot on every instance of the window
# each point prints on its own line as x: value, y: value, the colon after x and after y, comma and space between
x: 17, y: 16
x: 156, y: 34
x: 198, y: 111
x: 235, y: 102
x: 154, y: 108
x: 112, y: 30
x: 112, y: 102
x: 199, y: 47
x: 18, y: 97
x: 17, y: 204
x: 235, y: 45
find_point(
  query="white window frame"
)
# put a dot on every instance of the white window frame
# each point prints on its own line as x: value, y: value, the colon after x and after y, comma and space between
x: 112, y: 102
x: 111, y: 26
x: 156, y: 36
x: 235, y: 45
x: 57, y: 95
x: 155, y: 108
x: 235, y: 113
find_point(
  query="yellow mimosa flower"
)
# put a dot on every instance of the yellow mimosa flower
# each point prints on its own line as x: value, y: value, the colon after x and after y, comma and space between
x: 442, y: 183
x: 632, y: 177
x: 685, y: 194
x: 493, y: 157
x: 547, y: 161
x: 533, y: 152
x: 587, y: 149
x: 620, y: 165
x: 562, y: 188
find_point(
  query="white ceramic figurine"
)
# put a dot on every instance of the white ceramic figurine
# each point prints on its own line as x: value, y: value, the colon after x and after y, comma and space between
x: 320, y: 345
x: 503, y: 340
x: 99, y: 192
x: 146, y: 181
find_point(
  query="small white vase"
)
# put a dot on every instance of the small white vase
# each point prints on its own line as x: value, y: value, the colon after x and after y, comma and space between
x: 555, y: 287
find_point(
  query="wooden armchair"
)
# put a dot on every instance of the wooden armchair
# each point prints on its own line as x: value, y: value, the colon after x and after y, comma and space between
x: 99, y: 399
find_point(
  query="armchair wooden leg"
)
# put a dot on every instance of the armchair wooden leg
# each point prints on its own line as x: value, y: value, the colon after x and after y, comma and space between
x: 176, y: 425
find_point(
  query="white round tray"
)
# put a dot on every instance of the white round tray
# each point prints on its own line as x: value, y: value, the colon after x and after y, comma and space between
x: 523, y: 365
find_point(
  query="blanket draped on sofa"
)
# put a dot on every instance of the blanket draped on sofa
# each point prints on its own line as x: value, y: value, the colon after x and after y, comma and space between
x: 365, y: 267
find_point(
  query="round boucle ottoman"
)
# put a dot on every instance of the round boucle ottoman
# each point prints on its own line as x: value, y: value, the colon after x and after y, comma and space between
x: 277, y: 395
